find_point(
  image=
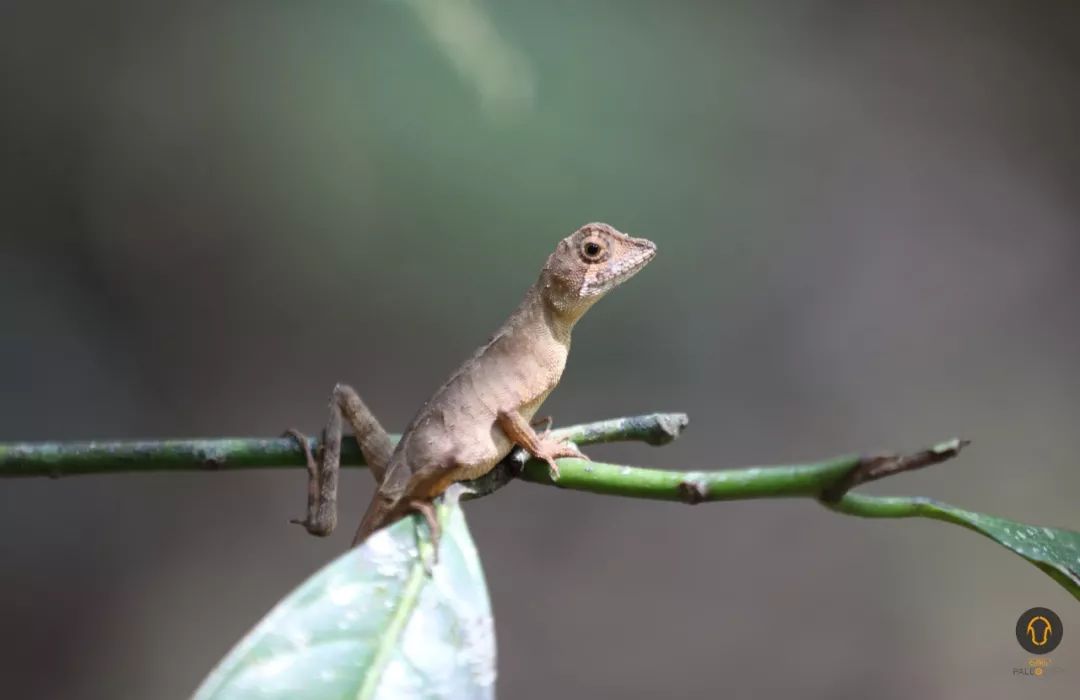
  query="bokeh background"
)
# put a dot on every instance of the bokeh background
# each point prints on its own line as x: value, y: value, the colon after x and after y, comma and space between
x: 867, y: 217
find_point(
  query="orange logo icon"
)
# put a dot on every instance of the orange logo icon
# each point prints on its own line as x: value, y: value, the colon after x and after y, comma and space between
x: 1039, y: 630
x: 1047, y: 628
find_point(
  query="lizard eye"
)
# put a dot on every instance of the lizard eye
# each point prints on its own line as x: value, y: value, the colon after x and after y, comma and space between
x: 592, y: 251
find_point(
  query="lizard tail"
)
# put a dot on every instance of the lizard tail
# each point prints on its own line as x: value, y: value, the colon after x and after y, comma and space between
x: 380, y: 513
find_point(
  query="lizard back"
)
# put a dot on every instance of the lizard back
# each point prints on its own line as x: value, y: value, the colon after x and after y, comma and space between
x: 455, y: 431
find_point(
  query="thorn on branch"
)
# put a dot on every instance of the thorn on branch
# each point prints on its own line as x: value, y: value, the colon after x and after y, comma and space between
x: 880, y: 466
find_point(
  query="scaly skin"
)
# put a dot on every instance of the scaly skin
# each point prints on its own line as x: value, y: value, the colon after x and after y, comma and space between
x: 486, y: 406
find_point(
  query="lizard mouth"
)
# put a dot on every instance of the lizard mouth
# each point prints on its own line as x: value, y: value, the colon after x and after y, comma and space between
x: 626, y: 268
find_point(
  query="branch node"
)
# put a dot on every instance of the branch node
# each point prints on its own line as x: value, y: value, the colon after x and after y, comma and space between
x: 665, y: 427
x: 693, y: 492
x: 210, y: 460
x: 874, y: 467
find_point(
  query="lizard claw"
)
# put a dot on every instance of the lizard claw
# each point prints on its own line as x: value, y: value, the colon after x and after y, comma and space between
x: 563, y: 448
x: 546, y: 421
x: 569, y: 449
x: 302, y: 442
x: 553, y: 469
x: 553, y: 450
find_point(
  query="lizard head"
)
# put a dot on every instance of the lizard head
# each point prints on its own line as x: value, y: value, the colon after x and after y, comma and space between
x: 588, y: 264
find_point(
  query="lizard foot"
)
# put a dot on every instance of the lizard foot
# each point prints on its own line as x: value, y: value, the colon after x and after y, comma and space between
x: 302, y: 441
x: 550, y: 450
x: 311, y: 525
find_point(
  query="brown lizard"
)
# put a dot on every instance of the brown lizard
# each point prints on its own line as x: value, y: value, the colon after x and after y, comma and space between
x: 485, y: 408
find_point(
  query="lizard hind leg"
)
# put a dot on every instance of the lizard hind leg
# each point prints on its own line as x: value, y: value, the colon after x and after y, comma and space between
x: 323, y: 474
x: 374, y: 441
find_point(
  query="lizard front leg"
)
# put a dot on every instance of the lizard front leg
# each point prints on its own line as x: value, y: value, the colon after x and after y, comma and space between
x: 374, y: 443
x: 540, y: 446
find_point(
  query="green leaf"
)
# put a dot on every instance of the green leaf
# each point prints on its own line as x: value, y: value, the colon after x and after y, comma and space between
x: 374, y: 624
x: 1054, y: 550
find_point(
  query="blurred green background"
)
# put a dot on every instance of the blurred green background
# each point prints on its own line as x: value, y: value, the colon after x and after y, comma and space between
x: 867, y: 218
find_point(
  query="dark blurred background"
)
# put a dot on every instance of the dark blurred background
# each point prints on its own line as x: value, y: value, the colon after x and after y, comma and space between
x: 867, y: 218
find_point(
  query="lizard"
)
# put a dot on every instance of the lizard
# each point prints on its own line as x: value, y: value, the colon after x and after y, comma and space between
x: 486, y: 407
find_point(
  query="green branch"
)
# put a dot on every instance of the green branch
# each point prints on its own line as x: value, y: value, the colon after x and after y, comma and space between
x: 58, y: 459
x: 1055, y: 551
